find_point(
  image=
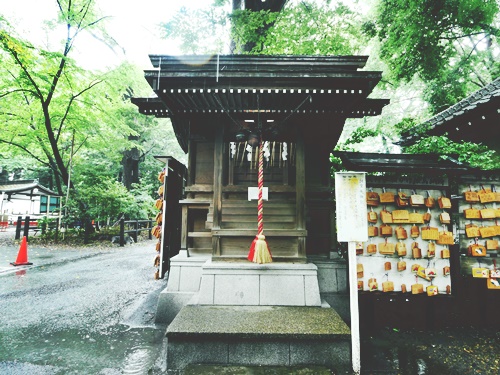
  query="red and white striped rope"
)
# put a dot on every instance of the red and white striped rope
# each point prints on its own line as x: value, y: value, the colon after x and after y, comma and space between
x: 260, y: 210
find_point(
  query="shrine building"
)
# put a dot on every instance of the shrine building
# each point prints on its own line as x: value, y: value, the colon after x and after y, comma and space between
x: 222, y: 108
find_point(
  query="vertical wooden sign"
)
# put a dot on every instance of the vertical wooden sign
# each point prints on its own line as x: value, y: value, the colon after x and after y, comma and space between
x: 350, y: 195
x: 352, y: 227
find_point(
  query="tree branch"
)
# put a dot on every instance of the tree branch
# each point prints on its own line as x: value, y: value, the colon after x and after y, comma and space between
x: 28, y: 75
x: 12, y: 143
x: 483, y: 82
x: 456, y: 37
x: 18, y: 90
x: 68, y: 107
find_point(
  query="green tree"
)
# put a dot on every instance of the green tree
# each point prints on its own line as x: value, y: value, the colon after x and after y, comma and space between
x: 299, y: 29
x: 70, y: 127
x: 199, y: 31
x: 453, y: 45
x: 48, y: 102
x: 476, y: 155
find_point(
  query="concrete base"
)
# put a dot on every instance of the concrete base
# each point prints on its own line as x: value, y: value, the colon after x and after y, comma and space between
x: 332, y: 275
x: 235, y: 283
x: 340, y: 303
x: 183, y: 284
x: 250, y: 284
x: 258, y: 335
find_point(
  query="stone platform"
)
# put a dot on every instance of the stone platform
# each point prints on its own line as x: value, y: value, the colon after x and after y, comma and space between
x: 258, y: 335
x: 251, y: 284
x: 196, y: 280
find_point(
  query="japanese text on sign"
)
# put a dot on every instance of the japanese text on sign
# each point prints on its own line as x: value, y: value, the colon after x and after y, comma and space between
x: 350, y: 195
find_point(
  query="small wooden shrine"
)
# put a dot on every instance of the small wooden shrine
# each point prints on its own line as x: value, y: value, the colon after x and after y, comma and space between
x: 298, y: 105
x: 223, y: 109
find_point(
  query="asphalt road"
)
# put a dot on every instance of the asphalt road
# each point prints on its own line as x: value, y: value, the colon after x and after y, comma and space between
x: 80, y: 311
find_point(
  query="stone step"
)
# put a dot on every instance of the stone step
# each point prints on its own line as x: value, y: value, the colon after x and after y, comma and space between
x: 255, y: 370
x: 269, y: 225
x: 297, y: 322
x: 252, y: 224
x: 258, y: 335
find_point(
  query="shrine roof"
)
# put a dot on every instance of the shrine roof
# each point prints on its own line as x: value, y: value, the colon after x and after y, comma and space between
x: 246, y: 86
x: 401, y: 163
x: 474, y: 119
x: 260, y: 72
x: 25, y: 187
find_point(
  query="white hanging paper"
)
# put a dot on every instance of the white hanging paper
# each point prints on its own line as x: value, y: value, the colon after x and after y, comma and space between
x: 249, y: 155
x: 232, y: 145
x: 267, y: 152
x: 284, y: 153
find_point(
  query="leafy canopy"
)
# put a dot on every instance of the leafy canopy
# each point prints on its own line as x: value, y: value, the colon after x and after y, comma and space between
x: 453, y: 45
x: 476, y: 155
x: 299, y: 29
x: 69, y: 126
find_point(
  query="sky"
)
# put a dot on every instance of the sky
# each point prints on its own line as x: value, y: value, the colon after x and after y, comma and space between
x: 133, y: 24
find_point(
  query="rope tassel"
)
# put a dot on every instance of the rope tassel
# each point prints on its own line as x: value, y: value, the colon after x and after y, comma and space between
x: 259, y: 250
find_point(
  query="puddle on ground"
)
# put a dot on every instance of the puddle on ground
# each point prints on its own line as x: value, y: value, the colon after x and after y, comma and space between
x: 117, y: 349
x: 379, y: 356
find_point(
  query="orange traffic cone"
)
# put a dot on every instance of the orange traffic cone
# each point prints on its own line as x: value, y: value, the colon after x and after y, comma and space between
x: 22, y: 256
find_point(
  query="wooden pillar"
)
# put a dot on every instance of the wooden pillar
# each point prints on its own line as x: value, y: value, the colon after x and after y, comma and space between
x: 191, y: 165
x: 217, y: 198
x: 184, y: 228
x: 300, y: 189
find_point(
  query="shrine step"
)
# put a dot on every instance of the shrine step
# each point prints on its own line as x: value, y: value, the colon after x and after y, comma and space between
x: 258, y: 336
x: 243, y: 214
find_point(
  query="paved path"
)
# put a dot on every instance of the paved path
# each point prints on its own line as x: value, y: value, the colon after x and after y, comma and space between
x: 44, y: 255
x: 83, y: 310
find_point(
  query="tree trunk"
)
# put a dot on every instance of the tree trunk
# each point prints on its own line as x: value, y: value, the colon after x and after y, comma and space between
x: 130, y: 163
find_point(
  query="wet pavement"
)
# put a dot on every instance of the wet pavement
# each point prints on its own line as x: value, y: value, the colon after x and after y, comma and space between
x: 90, y: 310
x: 83, y: 310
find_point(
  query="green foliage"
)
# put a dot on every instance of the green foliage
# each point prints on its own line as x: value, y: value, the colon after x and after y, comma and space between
x: 299, y: 29
x: 50, y: 105
x: 453, y: 45
x: 359, y: 135
x: 419, y: 36
x: 106, y: 199
x: 335, y: 165
x: 405, y: 124
x: 466, y: 152
x: 450, y: 87
x: 61, y: 120
x: 249, y: 28
x: 200, y: 30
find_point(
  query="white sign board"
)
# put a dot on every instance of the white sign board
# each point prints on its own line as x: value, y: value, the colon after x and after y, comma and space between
x: 352, y: 227
x: 253, y: 193
x: 350, y: 195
